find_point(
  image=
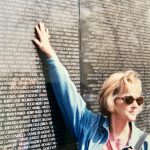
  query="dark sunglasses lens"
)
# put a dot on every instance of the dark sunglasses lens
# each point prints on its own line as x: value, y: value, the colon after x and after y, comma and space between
x: 128, y: 100
x: 140, y: 100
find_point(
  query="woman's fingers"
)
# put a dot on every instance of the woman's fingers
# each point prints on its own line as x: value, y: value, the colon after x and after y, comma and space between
x: 38, y: 32
x: 42, y: 27
x: 47, y: 31
x: 42, y: 41
x: 42, y: 32
x: 37, y: 42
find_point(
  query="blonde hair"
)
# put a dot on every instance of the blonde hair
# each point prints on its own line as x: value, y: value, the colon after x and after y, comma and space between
x: 117, y: 83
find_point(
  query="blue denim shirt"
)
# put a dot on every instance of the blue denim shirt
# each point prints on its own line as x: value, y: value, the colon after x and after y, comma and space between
x: 91, y: 130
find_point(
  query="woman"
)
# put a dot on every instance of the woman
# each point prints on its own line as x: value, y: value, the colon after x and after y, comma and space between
x: 120, y: 102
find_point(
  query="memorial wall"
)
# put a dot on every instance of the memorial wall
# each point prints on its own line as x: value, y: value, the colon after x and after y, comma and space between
x: 92, y: 38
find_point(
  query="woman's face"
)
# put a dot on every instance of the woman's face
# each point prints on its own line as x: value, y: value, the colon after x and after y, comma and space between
x: 127, y: 112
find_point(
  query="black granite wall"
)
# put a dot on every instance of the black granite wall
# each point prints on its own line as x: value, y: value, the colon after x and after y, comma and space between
x: 115, y: 36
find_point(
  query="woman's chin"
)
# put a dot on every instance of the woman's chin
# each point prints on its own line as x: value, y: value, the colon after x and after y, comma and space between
x: 132, y: 117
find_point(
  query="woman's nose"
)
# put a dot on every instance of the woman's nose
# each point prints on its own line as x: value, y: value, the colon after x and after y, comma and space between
x: 135, y: 104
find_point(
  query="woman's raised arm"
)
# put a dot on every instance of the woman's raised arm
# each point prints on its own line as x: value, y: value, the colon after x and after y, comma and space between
x: 69, y: 100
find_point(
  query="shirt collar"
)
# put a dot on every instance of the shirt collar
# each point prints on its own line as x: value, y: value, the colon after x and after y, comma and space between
x: 134, y: 135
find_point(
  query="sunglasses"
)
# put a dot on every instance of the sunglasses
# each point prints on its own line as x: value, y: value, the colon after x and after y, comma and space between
x: 130, y: 99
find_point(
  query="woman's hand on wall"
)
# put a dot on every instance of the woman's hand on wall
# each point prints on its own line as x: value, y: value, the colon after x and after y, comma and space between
x: 42, y: 40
